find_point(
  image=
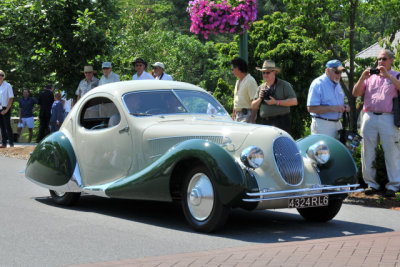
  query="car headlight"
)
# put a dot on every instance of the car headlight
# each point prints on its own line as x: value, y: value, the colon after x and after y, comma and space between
x: 319, y: 153
x: 252, y: 157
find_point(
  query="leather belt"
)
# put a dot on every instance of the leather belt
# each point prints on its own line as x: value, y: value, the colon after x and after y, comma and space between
x: 325, y: 119
x: 274, y: 117
x: 377, y: 113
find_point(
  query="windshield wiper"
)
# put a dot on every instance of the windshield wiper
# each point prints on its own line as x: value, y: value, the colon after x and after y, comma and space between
x: 140, y: 114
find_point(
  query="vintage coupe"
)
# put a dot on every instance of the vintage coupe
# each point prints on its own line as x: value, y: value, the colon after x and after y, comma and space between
x: 172, y: 141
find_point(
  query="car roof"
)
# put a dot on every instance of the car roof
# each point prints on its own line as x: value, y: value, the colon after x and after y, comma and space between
x: 120, y: 88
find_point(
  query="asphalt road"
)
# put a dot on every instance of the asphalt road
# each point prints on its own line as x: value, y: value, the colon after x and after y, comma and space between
x: 36, y: 232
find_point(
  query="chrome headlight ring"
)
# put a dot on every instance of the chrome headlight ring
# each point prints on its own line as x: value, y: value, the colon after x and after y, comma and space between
x: 252, y: 157
x: 319, y: 153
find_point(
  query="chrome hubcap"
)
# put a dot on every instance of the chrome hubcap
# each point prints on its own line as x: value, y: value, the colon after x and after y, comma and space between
x: 59, y: 194
x: 200, y: 196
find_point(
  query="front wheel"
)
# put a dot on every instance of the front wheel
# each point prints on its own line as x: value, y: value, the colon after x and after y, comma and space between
x: 65, y: 198
x: 322, y: 214
x: 200, y: 201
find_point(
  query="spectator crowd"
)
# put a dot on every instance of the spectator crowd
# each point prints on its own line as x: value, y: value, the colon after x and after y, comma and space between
x: 270, y: 101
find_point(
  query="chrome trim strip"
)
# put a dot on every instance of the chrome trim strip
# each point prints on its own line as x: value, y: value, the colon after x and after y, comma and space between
x: 341, y: 189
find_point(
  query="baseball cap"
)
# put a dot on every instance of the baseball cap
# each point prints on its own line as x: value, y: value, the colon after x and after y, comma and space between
x: 334, y: 63
x: 106, y: 65
x: 158, y: 64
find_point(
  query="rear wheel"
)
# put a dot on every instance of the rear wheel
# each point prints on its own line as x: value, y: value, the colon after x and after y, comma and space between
x: 200, y: 201
x: 65, y: 198
x: 322, y: 214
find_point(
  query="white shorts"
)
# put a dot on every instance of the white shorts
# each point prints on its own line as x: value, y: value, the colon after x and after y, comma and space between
x: 27, y: 122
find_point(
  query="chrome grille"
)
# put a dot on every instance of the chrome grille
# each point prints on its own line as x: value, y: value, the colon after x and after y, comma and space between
x: 288, y: 160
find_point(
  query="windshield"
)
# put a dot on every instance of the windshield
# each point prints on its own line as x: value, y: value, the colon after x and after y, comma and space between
x: 148, y: 103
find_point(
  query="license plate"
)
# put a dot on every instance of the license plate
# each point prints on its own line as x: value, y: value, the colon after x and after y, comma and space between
x: 307, y: 202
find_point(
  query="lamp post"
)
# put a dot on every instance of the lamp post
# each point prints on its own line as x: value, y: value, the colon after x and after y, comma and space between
x: 244, y: 46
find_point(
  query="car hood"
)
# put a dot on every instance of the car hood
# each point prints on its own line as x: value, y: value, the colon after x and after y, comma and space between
x: 161, y: 136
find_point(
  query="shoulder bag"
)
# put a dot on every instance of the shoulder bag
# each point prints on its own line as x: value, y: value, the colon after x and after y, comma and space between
x: 396, y: 108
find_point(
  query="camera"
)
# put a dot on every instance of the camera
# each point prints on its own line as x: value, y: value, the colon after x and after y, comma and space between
x: 374, y: 71
x: 266, y: 95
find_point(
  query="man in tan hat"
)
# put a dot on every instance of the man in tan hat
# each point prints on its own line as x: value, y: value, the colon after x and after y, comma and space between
x: 88, y: 83
x: 274, y: 98
x: 245, y: 89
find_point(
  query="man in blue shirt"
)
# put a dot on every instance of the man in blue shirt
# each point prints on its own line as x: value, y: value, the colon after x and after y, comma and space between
x: 26, y: 104
x: 325, y: 101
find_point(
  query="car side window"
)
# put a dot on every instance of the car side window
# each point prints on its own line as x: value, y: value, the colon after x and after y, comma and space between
x: 149, y: 103
x: 99, y: 113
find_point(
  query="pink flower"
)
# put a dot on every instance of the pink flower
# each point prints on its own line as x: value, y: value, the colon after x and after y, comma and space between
x: 209, y: 17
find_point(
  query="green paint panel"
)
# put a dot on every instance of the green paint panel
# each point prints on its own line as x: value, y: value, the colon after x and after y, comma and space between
x: 153, y: 181
x: 53, y: 161
x: 341, y: 168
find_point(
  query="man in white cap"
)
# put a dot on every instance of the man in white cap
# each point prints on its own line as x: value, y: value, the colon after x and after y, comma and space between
x: 159, y: 73
x: 325, y: 101
x: 88, y: 83
x: 108, y: 75
x: 274, y: 98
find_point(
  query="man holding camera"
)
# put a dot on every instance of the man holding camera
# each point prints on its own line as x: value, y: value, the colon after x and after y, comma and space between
x: 379, y: 87
x: 325, y: 101
x: 245, y: 89
x: 274, y: 98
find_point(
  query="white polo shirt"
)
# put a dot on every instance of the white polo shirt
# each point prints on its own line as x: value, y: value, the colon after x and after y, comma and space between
x: 6, y: 93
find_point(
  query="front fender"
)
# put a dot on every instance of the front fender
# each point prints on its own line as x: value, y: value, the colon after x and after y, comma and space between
x: 340, y: 169
x: 52, y: 162
x: 153, y: 181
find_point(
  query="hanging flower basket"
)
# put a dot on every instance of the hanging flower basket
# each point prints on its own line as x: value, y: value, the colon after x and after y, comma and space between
x: 213, y: 17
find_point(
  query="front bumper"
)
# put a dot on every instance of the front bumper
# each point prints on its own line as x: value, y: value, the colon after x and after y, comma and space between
x: 316, y: 190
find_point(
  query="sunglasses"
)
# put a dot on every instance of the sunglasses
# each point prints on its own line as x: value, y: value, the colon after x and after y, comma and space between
x: 382, y: 58
x: 1, y: 75
x: 266, y: 72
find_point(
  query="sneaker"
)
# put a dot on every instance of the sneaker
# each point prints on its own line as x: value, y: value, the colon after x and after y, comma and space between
x: 371, y: 191
x: 390, y: 193
x: 3, y: 146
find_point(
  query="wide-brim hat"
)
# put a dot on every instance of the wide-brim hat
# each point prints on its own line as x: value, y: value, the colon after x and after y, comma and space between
x: 140, y: 60
x: 269, y: 65
x: 88, y: 69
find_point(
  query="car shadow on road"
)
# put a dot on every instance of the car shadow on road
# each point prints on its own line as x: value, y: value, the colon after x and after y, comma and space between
x: 266, y: 226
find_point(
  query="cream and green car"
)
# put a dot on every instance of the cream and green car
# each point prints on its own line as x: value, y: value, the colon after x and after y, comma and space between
x: 172, y: 141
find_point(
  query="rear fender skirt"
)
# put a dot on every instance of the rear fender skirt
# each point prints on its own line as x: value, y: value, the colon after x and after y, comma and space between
x: 53, y: 161
x: 340, y: 169
x: 153, y: 181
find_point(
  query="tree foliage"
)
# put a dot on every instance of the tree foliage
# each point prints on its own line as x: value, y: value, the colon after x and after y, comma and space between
x: 51, y: 40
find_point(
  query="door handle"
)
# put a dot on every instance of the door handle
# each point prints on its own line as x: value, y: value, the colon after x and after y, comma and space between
x: 125, y: 129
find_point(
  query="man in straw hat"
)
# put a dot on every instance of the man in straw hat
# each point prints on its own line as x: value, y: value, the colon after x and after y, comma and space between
x: 274, y: 98
x: 325, y: 101
x: 245, y: 89
x: 88, y: 83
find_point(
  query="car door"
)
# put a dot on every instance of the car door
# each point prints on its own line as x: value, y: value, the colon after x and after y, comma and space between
x: 103, y: 140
